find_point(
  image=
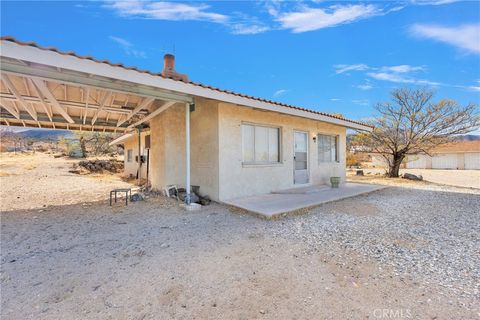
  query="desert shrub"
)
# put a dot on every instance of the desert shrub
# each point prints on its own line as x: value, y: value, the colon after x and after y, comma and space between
x: 353, y: 160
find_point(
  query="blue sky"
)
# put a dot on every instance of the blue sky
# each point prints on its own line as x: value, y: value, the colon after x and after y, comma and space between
x: 337, y: 57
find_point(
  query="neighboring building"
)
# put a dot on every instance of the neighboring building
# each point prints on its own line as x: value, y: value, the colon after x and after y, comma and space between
x: 229, y: 144
x: 461, y: 155
x: 130, y: 154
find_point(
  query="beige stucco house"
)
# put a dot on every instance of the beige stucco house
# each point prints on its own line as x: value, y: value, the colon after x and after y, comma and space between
x: 229, y: 144
x: 238, y: 151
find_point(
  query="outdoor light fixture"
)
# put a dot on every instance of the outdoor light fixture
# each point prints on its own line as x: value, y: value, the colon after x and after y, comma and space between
x: 314, y: 139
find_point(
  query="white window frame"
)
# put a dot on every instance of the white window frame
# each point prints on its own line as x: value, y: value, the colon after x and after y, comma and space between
x: 129, y: 155
x: 256, y: 163
x: 337, y: 143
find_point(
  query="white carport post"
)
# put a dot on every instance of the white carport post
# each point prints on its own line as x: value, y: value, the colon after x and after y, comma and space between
x: 187, y: 152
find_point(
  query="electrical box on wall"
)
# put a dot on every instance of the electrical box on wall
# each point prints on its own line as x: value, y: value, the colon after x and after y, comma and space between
x: 147, y: 142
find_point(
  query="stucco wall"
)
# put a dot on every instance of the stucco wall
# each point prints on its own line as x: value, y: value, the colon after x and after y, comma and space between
x: 204, y: 147
x: 167, y: 154
x: 216, y: 150
x: 237, y: 179
x: 132, y: 144
x: 168, y: 147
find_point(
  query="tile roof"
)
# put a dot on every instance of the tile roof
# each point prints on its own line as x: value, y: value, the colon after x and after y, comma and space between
x: 458, y: 146
x: 71, y: 53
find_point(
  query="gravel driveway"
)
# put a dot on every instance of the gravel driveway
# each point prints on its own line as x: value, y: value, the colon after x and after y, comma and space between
x: 405, y: 252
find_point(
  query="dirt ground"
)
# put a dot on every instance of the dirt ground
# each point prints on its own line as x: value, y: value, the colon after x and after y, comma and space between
x: 152, y: 260
x: 456, y: 178
x: 36, y: 181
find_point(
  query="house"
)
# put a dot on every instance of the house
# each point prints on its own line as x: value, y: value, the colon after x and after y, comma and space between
x: 229, y: 144
x: 459, y: 155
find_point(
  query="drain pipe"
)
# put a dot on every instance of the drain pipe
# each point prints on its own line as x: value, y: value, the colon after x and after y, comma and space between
x: 187, y: 153
x: 139, y: 130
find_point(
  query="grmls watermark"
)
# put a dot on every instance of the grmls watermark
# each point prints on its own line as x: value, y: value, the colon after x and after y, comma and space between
x: 392, y: 313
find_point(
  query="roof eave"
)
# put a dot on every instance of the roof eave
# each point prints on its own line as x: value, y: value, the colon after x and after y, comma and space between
x: 38, y: 55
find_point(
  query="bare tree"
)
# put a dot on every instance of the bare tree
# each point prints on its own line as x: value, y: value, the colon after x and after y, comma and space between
x: 95, y: 143
x: 411, y: 123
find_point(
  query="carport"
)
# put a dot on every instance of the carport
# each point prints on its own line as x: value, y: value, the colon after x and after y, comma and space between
x: 46, y: 88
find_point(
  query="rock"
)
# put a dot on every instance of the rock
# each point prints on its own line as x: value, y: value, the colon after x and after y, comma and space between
x: 136, y: 197
x: 111, y: 165
x: 410, y: 176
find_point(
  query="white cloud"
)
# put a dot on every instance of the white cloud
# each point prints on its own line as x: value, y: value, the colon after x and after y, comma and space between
x: 335, y: 99
x: 173, y: 11
x: 400, y: 74
x: 466, y: 37
x: 237, y: 23
x: 241, y: 28
x: 399, y: 78
x: 361, y: 102
x: 342, y: 68
x: 128, y: 47
x: 433, y: 2
x: 241, y: 23
x: 403, y: 68
x: 279, y: 93
x: 309, y: 19
x: 475, y: 87
x: 365, y: 86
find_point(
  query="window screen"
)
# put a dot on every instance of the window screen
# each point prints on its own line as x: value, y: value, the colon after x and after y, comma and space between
x: 260, y: 144
x: 129, y: 155
x: 327, y: 148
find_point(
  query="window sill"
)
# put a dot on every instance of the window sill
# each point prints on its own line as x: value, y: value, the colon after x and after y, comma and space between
x: 259, y: 165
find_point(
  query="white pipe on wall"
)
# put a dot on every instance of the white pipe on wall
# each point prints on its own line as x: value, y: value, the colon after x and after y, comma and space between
x: 187, y: 152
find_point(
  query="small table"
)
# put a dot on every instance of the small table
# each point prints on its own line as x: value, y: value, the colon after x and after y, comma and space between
x: 115, y: 191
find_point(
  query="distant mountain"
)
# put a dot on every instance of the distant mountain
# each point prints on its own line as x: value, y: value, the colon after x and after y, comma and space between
x: 46, y: 134
x: 467, y: 137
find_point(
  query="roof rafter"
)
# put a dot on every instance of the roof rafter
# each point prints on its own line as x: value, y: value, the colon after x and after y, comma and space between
x: 164, y: 107
x: 9, y: 84
x: 43, y: 89
x: 87, y: 96
x: 70, y: 104
x: 144, y: 104
x: 103, y: 103
x: 9, y: 108
x: 42, y: 100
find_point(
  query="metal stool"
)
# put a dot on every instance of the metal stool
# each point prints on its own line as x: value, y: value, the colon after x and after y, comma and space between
x: 115, y: 191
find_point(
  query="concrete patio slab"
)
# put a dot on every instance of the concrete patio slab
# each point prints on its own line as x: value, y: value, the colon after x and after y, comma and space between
x: 273, y: 204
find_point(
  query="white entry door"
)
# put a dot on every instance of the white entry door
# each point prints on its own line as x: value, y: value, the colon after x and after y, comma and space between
x: 300, y: 157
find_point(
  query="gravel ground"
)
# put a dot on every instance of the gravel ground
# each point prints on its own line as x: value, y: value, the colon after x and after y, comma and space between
x: 405, y: 183
x: 413, y: 253
x: 432, y: 236
x: 456, y: 178
x: 30, y: 181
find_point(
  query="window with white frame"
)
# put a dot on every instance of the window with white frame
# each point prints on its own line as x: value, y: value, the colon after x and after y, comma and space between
x: 260, y: 144
x: 129, y: 155
x: 327, y: 148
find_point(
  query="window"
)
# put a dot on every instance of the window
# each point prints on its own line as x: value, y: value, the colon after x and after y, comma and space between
x: 129, y: 155
x: 147, y: 142
x: 327, y: 148
x: 260, y: 144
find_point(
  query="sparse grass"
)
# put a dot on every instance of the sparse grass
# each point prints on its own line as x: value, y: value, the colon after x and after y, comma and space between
x: 6, y: 174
